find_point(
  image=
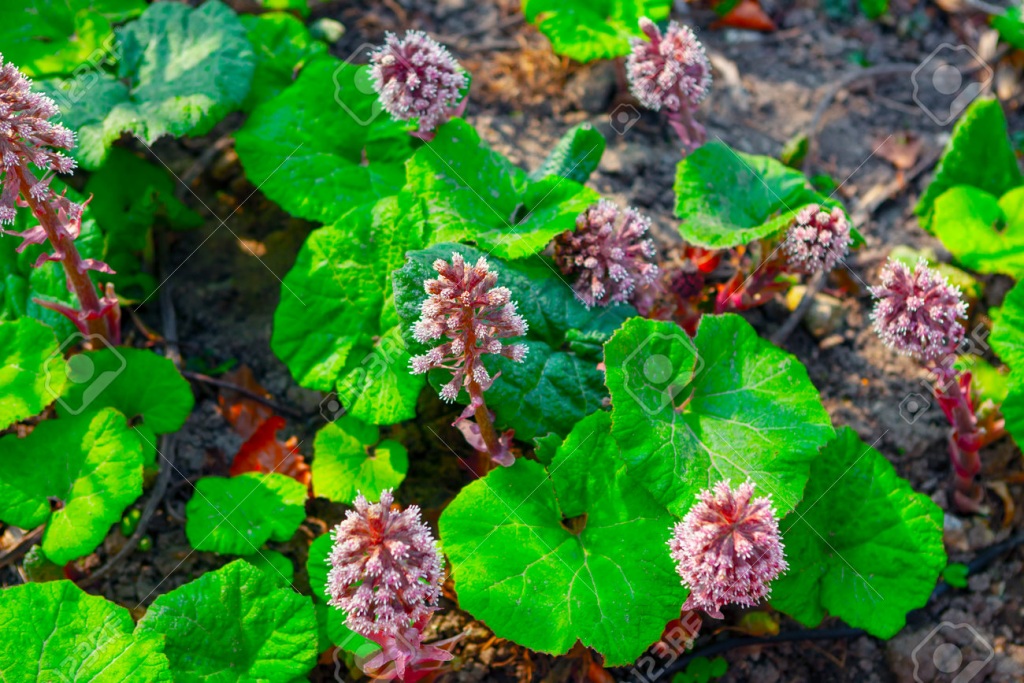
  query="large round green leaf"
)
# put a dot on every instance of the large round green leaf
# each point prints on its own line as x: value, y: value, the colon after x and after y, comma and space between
x: 726, y: 405
x: 336, y: 326
x: 474, y: 193
x: 181, y: 71
x: 138, y: 382
x: 77, y: 474
x: 349, y: 458
x: 586, y: 30
x: 57, y: 632
x: 235, y: 625
x: 862, y: 545
x: 558, y: 383
x: 576, y: 552
x: 726, y: 198
x: 324, y: 145
x: 237, y: 515
x: 32, y: 369
x: 983, y: 233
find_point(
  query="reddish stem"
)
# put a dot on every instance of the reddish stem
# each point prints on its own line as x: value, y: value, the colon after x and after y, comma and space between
x: 966, y: 439
x: 91, y: 310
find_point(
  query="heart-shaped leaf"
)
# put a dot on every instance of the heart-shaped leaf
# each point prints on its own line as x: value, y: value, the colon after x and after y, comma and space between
x: 233, y: 625
x: 76, y: 474
x: 596, y: 29
x: 979, y: 154
x: 726, y: 405
x: 138, y: 382
x: 350, y: 459
x: 547, y: 558
x: 283, y: 46
x: 558, y: 382
x: 181, y: 71
x: 336, y: 326
x: 983, y: 233
x: 862, y: 545
x: 727, y: 198
x: 324, y: 146
x: 237, y: 515
x: 57, y: 632
x: 32, y: 370
x: 473, y: 193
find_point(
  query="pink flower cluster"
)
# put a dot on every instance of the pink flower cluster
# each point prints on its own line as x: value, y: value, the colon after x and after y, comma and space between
x: 416, y: 77
x: 466, y: 307
x: 385, y: 568
x: 671, y: 71
x: 918, y: 311
x: 727, y: 548
x: 607, y: 253
x: 817, y: 239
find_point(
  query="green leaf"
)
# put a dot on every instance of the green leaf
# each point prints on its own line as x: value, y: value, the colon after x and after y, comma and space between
x: 726, y: 198
x: 955, y: 574
x: 299, y: 6
x: 317, y: 565
x: 576, y: 155
x: 234, y: 625
x: 1010, y: 26
x: 726, y: 406
x: 558, y: 382
x: 520, y: 569
x: 181, y: 71
x: 987, y: 380
x: 1008, y: 330
x: 979, y: 155
x: 350, y: 458
x: 137, y: 382
x: 983, y: 233
x: 473, y: 193
x: 324, y: 146
x: 283, y: 46
x: 873, y: 9
x: 77, y: 475
x: 863, y: 546
x: 276, y: 565
x: 598, y: 29
x: 237, y: 515
x: 57, y: 632
x: 57, y: 37
x: 32, y: 370
x: 336, y: 326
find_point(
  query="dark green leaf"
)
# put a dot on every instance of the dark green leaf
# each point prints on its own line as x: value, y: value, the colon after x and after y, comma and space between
x: 283, y: 46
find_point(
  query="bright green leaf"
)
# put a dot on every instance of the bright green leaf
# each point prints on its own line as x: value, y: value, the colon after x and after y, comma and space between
x: 473, y: 193
x: 1010, y: 26
x: 283, y: 46
x: 862, y: 546
x: 32, y: 370
x: 586, y: 30
x: 955, y: 574
x: 520, y: 569
x: 983, y: 233
x: 276, y: 565
x: 558, y: 382
x: 235, y: 625
x: 978, y: 155
x: 181, y: 71
x: 1008, y: 330
x: 138, y: 382
x: 324, y: 146
x: 575, y: 156
x: 237, y: 515
x: 76, y: 474
x: 336, y: 326
x: 726, y: 406
x: 726, y: 198
x: 349, y: 458
x: 57, y: 632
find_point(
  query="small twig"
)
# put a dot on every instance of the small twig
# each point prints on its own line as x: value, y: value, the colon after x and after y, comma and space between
x: 24, y: 544
x: 813, y: 287
x: 248, y: 393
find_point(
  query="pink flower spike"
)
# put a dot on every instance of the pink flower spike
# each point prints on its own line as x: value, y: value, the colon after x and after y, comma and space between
x: 416, y: 77
x: 385, y: 568
x: 817, y: 239
x: 608, y: 254
x: 727, y: 548
x: 918, y: 311
x: 671, y: 71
